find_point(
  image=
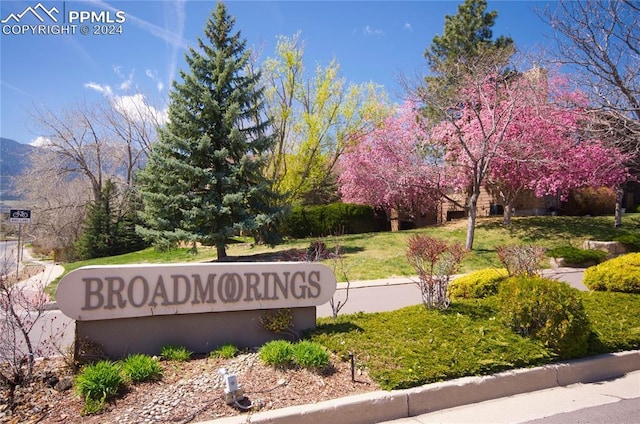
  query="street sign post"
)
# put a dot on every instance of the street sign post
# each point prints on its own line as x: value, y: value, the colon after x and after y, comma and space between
x: 19, y: 216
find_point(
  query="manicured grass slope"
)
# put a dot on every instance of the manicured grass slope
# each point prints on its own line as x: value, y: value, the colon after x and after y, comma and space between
x: 414, y: 346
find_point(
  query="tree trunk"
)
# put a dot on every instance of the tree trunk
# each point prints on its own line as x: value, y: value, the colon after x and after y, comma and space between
x: 222, y: 251
x: 619, y: 200
x: 508, y: 213
x: 394, y: 218
x: 471, y: 223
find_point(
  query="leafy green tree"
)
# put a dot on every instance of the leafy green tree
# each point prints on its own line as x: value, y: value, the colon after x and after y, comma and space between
x: 464, y: 35
x: 316, y: 118
x: 203, y: 182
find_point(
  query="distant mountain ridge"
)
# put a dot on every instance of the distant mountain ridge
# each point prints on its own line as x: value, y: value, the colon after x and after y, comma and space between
x: 14, y: 159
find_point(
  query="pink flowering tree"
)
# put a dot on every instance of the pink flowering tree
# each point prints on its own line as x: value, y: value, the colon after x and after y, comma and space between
x: 515, y: 132
x: 545, y: 152
x: 475, y: 126
x: 392, y: 167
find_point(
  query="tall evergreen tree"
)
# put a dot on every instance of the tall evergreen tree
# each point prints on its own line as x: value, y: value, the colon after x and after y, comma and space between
x: 203, y: 182
x: 465, y: 45
x: 109, y: 226
x: 465, y: 34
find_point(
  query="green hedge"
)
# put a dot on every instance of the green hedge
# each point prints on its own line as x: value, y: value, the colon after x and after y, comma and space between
x: 324, y: 220
x: 621, y: 274
x: 575, y: 256
x: 630, y: 241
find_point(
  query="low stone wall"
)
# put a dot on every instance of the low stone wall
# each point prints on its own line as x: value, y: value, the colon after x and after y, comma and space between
x: 612, y: 248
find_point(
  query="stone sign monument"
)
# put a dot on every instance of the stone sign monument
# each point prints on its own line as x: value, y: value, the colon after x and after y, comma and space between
x: 140, y: 308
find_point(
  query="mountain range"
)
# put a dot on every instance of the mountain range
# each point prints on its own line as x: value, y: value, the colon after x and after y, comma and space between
x: 14, y: 159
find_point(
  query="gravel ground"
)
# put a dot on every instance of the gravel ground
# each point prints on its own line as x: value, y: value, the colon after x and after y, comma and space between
x: 188, y: 392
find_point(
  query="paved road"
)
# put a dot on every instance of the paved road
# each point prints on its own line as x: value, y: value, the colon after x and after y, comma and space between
x: 389, y: 294
x: 8, y: 256
x: 606, y: 402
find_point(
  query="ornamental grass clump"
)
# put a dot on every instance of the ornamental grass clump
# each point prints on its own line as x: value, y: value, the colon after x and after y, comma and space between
x: 97, y: 383
x: 310, y: 355
x: 226, y: 351
x: 138, y: 368
x: 175, y: 353
x: 277, y: 353
x: 546, y: 310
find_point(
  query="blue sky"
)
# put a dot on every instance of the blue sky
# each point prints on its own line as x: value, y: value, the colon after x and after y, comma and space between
x: 371, y: 40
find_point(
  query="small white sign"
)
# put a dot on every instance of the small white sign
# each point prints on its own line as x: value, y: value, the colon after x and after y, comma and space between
x: 125, y: 291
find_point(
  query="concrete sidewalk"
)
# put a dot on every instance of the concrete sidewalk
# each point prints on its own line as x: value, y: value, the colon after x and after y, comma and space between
x: 33, y: 287
x: 514, y: 396
x: 527, y: 407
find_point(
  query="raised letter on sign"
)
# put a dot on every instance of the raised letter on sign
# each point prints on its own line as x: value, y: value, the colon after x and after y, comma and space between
x: 92, y: 293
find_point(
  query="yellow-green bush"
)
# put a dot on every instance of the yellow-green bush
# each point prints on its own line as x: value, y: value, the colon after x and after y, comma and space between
x: 548, y: 311
x: 621, y: 274
x: 477, y: 284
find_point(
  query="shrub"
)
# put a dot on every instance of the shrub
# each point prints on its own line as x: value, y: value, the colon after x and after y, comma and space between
x: 478, y: 284
x: 175, y: 353
x: 630, y: 241
x: 98, y: 382
x: 226, y: 351
x: 575, y: 256
x: 279, y: 321
x: 521, y: 260
x: 138, y: 368
x: 323, y: 220
x: 435, y: 261
x: 546, y: 310
x: 278, y: 353
x: 310, y: 355
x: 621, y: 274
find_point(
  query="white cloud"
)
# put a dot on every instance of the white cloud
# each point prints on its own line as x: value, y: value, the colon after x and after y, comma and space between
x: 154, y: 77
x: 408, y: 26
x: 128, y: 80
x: 137, y: 108
x: 40, y: 141
x: 103, y: 89
x: 372, y: 31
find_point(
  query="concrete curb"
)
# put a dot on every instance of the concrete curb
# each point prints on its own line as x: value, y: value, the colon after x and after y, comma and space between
x: 383, y: 406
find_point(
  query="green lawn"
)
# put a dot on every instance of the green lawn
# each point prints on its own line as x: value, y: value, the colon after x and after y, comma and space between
x: 467, y: 339
x: 380, y: 255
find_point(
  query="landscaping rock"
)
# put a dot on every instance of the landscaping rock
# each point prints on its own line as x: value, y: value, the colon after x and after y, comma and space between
x: 612, y: 248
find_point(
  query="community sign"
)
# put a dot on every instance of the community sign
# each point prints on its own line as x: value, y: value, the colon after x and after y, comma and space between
x: 125, y: 291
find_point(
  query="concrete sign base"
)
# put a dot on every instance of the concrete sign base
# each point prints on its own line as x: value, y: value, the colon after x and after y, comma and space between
x: 200, y: 333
